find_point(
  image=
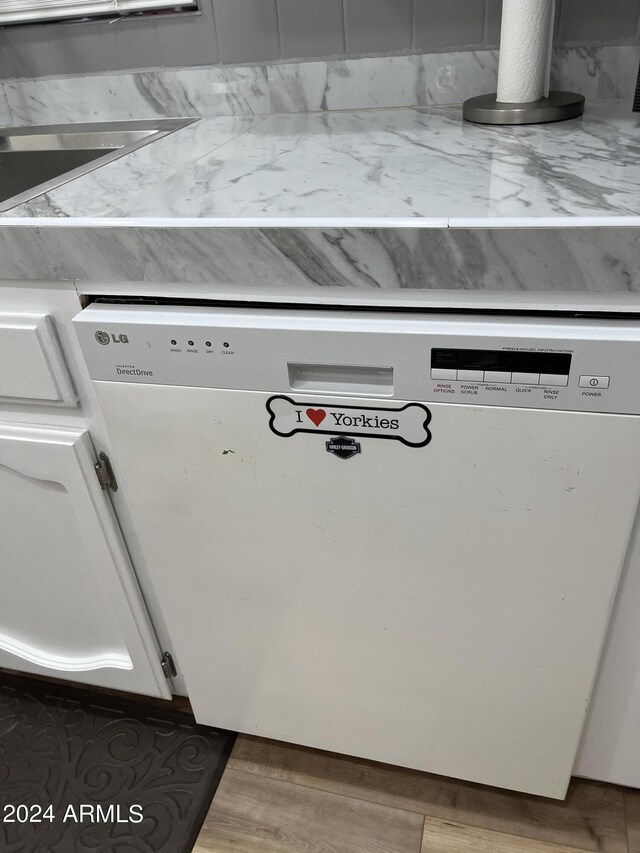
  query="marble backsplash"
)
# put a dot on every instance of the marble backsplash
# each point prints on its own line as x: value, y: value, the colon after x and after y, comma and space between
x: 365, y: 83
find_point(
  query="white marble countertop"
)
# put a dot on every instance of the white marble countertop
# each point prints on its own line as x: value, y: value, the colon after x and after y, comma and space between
x: 390, y: 168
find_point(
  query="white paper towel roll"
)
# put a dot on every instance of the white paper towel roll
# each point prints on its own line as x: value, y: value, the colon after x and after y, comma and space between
x: 525, y: 50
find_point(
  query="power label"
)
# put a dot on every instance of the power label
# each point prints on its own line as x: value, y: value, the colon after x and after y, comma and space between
x: 408, y: 424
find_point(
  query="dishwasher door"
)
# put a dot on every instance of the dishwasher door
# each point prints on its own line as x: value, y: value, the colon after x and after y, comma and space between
x: 426, y: 584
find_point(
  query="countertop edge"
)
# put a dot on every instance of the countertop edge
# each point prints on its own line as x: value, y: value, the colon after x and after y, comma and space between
x: 306, y: 223
x: 322, y: 258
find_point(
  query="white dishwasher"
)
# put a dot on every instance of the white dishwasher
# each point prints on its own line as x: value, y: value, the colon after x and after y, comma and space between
x: 391, y: 535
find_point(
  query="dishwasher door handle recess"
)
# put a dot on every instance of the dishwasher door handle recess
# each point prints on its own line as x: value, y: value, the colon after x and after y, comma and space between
x: 341, y: 379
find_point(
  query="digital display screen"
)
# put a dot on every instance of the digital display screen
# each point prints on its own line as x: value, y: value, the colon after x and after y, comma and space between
x: 558, y: 363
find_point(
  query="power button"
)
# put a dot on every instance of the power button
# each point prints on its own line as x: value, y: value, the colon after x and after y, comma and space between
x: 594, y: 382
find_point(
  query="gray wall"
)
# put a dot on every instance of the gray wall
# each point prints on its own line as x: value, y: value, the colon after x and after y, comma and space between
x: 244, y: 31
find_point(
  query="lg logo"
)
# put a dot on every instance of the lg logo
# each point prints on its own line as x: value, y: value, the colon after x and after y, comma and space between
x: 105, y: 338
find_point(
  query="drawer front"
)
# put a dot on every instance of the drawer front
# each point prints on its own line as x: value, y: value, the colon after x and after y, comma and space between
x: 34, y: 367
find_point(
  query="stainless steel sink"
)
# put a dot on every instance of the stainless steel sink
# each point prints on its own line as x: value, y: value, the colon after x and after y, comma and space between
x: 34, y: 160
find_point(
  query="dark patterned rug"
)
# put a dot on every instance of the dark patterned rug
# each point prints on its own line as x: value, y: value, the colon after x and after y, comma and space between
x: 81, y: 772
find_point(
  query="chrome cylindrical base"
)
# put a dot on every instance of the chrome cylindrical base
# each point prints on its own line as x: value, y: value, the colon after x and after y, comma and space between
x: 485, y: 109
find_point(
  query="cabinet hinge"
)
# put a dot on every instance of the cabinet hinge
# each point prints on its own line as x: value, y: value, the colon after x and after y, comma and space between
x: 104, y: 472
x: 168, y: 666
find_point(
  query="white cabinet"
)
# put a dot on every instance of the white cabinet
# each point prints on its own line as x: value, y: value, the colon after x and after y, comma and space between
x: 70, y: 606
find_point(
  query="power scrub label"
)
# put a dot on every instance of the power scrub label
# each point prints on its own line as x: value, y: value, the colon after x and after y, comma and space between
x: 408, y: 424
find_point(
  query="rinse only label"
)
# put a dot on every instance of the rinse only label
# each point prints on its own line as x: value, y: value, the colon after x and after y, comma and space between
x: 408, y: 424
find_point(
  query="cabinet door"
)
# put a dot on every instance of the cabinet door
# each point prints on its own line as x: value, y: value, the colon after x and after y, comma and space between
x: 70, y: 606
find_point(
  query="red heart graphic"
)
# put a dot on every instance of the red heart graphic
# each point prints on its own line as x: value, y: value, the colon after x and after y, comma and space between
x: 316, y: 416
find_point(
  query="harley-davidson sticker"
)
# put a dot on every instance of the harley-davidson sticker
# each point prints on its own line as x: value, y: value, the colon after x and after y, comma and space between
x: 408, y: 424
x: 342, y: 447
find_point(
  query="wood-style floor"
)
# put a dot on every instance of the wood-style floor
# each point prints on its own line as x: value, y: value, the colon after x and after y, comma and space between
x: 278, y: 798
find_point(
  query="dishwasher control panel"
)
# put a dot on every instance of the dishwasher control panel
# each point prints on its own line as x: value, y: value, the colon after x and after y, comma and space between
x: 571, y: 364
x: 501, y: 366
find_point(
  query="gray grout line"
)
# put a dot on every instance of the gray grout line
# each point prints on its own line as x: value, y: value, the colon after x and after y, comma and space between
x: 279, y: 28
x: 558, y: 20
x: 345, y: 28
x: 485, y: 29
x: 215, y: 29
x: 414, y: 23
